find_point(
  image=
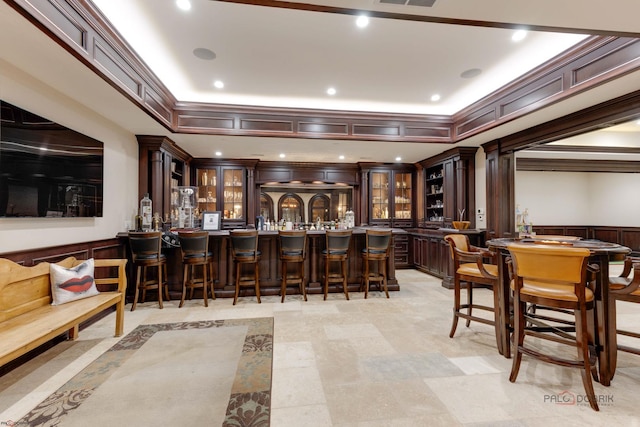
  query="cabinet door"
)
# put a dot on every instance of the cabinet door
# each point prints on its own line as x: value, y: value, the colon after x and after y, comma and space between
x: 379, y: 195
x: 233, y: 193
x: 402, y: 199
x: 207, y: 189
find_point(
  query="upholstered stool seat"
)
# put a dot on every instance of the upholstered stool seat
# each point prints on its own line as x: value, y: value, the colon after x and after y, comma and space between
x: 147, y: 257
x: 376, y: 251
x: 336, y: 251
x: 293, y: 250
x: 244, y: 251
x: 194, y: 247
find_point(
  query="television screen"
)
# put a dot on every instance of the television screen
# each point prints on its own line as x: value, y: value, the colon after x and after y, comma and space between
x: 46, y: 169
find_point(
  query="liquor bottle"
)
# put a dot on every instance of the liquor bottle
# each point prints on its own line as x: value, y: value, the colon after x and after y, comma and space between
x: 146, y: 213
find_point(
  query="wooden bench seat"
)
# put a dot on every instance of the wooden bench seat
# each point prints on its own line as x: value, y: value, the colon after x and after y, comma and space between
x: 27, y: 318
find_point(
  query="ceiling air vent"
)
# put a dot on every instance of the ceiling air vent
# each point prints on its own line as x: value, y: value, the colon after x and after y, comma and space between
x: 424, y: 3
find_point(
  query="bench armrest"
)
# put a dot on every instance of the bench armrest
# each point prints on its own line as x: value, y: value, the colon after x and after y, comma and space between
x: 120, y: 279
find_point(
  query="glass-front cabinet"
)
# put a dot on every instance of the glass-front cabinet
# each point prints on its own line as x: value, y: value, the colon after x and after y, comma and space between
x: 402, y: 199
x: 222, y: 188
x: 391, y: 198
x: 380, y: 195
x: 233, y: 193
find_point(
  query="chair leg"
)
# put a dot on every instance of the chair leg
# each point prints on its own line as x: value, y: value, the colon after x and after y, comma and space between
x: 165, y: 283
x: 456, y: 306
x: 302, y: 283
x: 582, y: 336
x: 235, y: 297
x: 366, y: 277
x: 205, y: 285
x: 160, y: 285
x: 469, y: 301
x: 326, y: 278
x: 518, y: 337
x: 257, y: 280
x: 384, y: 277
x: 344, y: 278
x: 144, y: 283
x: 185, y: 274
x: 283, y: 286
x: 135, y: 296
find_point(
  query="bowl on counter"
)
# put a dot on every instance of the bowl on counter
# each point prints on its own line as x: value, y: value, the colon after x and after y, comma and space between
x: 461, y: 225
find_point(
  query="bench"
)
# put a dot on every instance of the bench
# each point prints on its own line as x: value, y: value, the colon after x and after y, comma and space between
x: 27, y: 318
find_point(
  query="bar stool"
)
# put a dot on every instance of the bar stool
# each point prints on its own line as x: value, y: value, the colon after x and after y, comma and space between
x: 376, y: 250
x: 337, y: 250
x: 293, y: 249
x: 146, y: 253
x: 194, y: 247
x: 558, y: 279
x: 244, y: 251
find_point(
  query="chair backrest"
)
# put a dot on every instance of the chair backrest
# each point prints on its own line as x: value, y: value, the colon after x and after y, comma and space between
x: 457, y: 241
x: 145, y: 245
x: 244, y: 244
x: 378, y: 241
x: 293, y: 243
x: 194, y: 244
x: 338, y: 241
x: 548, y: 263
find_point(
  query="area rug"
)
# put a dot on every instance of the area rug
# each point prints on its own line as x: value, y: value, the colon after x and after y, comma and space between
x: 183, y: 373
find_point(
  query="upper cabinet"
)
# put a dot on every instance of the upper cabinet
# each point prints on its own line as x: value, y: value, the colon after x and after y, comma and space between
x: 449, y: 188
x: 163, y: 167
x: 391, y: 197
x: 223, y: 187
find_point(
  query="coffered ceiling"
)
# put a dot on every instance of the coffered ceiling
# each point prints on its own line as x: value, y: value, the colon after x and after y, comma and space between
x: 288, y: 54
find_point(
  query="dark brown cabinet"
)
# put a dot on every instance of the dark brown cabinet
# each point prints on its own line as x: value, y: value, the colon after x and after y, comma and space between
x: 222, y: 186
x: 163, y: 167
x: 391, y: 201
x: 449, y: 188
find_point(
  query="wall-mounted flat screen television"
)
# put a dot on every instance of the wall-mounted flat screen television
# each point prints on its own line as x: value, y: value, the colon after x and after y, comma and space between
x: 46, y: 169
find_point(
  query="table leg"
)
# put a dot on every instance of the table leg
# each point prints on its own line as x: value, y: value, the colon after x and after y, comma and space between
x: 503, y: 325
x: 606, y: 339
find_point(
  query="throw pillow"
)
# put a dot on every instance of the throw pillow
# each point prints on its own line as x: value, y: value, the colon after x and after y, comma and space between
x: 70, y: 284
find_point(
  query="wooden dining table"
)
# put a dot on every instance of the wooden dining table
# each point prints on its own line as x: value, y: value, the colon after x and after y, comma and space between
x: 602, y: 253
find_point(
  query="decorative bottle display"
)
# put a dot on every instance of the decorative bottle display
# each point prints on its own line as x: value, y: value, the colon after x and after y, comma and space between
x: 146, y: 213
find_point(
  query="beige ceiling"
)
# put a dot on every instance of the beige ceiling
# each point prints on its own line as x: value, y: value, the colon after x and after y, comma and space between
x: 288, y: 58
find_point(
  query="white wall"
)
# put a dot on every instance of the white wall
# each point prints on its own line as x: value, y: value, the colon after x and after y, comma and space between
x: 120, y: 168
x: 481, y: 189
x: 579, y: 198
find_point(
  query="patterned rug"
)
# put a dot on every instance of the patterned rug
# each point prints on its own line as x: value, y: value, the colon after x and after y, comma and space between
x: 172, y: 374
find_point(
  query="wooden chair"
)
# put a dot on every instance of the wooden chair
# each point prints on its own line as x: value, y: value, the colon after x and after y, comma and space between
x: 337, y: 250
x: 376, y: 250
x: 559, y: 278
x: 469, y: 267
x: 293, y: 249
x: 244, y: 251
x: 194, y: 248
x: 625, y: 288
x: 146, y: 254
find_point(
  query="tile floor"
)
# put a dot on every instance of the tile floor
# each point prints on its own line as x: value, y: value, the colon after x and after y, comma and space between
x: 375, y: 362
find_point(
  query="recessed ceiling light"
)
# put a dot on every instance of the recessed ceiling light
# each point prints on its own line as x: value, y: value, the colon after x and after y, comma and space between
x: 331, y: 91
x: 183, y: 4
x: 519, y: 35
x: 341, y: 157
x: 398, y: 158
x: 362, y: 21
x: 218, y: 153
x: 219, y: 84
x: 204, y: 53
x: 435, y: 97
x: 282, y: 156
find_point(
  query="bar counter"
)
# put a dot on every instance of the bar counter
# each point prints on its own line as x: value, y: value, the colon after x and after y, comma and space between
x: 270, y: 266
